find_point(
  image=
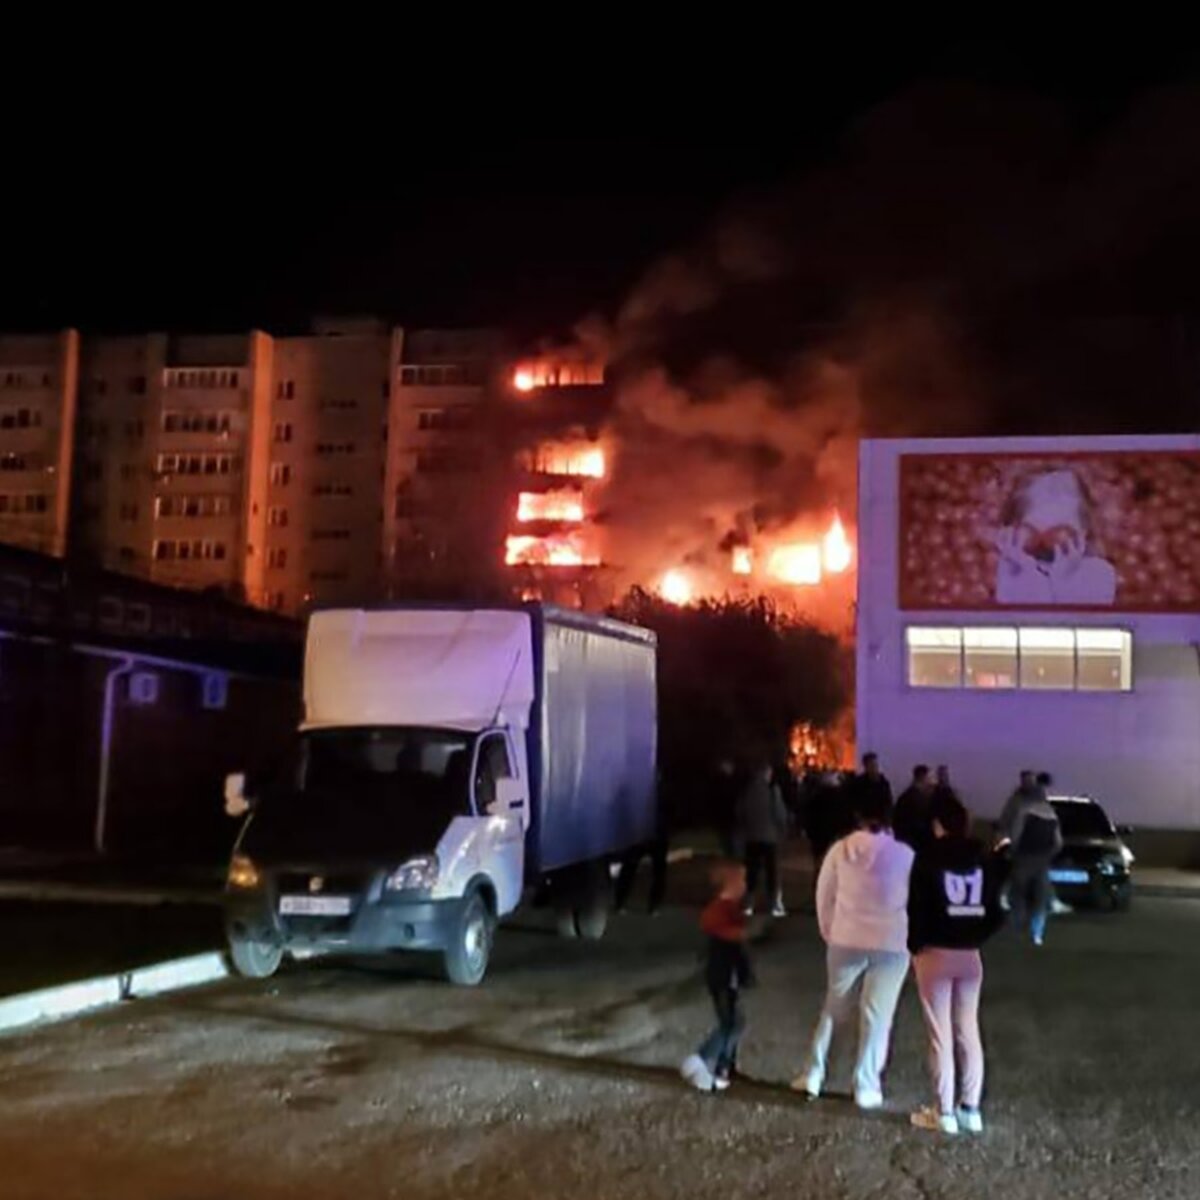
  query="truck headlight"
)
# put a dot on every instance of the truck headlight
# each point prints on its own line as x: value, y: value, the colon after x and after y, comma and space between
x: 243, y: 874
x: 1127, y: 856
x: 418, y: 874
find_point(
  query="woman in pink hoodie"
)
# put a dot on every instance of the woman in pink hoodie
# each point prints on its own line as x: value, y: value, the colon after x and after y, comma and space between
x: 862, y: 909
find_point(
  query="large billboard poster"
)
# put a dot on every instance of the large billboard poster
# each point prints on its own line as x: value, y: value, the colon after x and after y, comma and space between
x: 1094, y: 530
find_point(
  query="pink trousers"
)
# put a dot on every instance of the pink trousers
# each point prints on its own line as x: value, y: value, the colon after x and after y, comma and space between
x: 949, y: 983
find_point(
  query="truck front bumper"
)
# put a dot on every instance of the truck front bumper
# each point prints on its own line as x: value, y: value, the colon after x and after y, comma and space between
x: 380, y: 927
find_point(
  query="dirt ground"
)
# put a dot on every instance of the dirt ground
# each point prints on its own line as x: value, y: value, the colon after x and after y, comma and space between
x: 558, y: 1079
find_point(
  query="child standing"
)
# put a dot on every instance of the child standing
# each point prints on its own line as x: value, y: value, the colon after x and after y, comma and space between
x: 953, y: 908
x: 726, y: 972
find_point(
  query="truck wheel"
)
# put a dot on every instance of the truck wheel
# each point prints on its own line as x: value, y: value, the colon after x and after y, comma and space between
x: 253, y: 958
x: 466, y: 959
x: 564, y: 921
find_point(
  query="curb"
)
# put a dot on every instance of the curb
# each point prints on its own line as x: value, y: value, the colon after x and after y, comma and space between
x: 90, y: 995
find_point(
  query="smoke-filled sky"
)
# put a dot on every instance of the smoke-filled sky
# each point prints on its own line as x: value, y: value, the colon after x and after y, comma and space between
x: 967, y: 260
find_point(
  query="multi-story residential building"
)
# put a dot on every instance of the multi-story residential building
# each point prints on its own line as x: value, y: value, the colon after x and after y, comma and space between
x: 353, y: 463
x: 37, y: 430
x: 444, y: 485
x: 171, y: 430
x: 317, y: 512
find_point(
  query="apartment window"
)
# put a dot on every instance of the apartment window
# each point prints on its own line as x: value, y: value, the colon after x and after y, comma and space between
x: 326, y: 449
x: 286, y: 389
x: 277, y: 516
x: 13, y: 462
x: 333, y: 489
x: 283, y: 431
x: 330, y: 535
x: 281, y: 474
x: 277, y: 558
x: 137, y: 385
x: 129, y: 512
x: 1032, y: 658
x: 187, y: 549
x: 338, y: 405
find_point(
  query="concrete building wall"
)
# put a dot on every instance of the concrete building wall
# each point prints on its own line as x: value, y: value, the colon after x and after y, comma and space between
x: 1137, y: 751
x: 322, y: 511
x: 38, y: 384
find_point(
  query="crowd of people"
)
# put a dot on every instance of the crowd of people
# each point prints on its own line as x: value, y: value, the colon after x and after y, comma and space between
x: 900, y: 882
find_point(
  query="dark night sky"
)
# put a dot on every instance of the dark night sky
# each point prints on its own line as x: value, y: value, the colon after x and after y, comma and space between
x: 177, y: 201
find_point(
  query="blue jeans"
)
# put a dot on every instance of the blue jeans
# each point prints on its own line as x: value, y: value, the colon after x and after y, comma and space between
x: 719, y: 1049
x: 877, y: 977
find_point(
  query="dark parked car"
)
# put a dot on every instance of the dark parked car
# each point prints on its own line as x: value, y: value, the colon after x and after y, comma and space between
x: 1095, y: 865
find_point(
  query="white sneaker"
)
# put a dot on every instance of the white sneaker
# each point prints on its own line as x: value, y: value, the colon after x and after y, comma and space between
x: 1039, y: 939
x: 868, y: 1101
x: 930, y: 1118
x: 778, y: 910
x: 696, y: 1073
x: 809, y: 1083
x: 970, y: 1120
x: 748, y: 910
x: 1058, y: 908
x: 721, y: 1083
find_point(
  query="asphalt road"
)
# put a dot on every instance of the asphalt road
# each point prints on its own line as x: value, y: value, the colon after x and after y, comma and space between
x: 558, y: 1079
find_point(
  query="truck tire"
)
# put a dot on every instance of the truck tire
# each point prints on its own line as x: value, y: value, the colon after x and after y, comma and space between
x: 466, y: 959
x: 251, y: 957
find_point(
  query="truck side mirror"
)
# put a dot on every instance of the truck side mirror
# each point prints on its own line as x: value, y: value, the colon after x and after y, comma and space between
x: 510, y: 799
x: 237, y: 803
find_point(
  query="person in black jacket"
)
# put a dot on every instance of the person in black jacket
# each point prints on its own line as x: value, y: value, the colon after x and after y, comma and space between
x: 912, y: 822
x: 953, y: 908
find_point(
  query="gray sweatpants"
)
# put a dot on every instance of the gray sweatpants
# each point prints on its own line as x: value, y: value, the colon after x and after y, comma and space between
x: 881, y: 974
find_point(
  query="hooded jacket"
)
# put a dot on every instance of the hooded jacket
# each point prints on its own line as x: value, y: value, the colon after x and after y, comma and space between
x: 862, y: 893
x: 954, y: 896
x: 762, y: 816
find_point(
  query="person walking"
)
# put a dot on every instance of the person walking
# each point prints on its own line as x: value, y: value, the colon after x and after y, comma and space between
x: 862, y: 911
x: 912, y: 821
x: 953, y: 908
x: 727, y: 972
x: 763, y: 822
x: 1036, y: 838
x: 942, y: 784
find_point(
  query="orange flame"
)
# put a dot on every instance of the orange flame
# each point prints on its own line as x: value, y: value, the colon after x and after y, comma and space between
x: 836, y: 550
x: 550, y: 506
x: 798, y: 563
x: 521, y: 550
x: 523, y: 380
x: 581, y: 459
x: 676, y: 588
x: 742, y: 562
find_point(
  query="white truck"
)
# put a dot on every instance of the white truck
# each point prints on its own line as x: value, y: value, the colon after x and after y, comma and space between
x: 452, y: 762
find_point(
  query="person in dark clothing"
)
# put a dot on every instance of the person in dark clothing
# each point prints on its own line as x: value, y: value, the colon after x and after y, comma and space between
x: 656, y: 850
x: 942, y: 785
x: 870, y: 789
x: 727, y: 971
x: 1036, y: 839
x: 953, y: 908
x: 912, y: 822
x: 725, y: 797
x: 763, y: 823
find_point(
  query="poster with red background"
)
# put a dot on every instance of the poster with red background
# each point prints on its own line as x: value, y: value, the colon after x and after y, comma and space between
x: 1092, y: 530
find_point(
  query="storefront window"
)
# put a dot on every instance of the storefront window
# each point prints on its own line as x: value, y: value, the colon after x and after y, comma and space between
x: 991, y: 657
x: 1048, y: 658
x: 1105, y: 660
x: 934, y: 657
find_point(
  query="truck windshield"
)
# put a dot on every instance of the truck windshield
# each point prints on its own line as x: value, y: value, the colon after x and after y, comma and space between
x: 426, y: 768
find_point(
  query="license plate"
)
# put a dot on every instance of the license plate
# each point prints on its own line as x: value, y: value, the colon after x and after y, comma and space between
x: 1068, y: 877
x: 314, y: 906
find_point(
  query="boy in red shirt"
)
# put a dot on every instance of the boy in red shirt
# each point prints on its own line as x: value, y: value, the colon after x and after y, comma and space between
x: 726, y: 972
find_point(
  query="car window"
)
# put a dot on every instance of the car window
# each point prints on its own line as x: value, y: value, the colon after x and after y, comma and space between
x: 1078, y: 820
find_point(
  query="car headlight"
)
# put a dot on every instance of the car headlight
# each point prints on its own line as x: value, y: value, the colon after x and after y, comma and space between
x: 1127, y: 856
x: 418, y: 874
x: 243, y: 873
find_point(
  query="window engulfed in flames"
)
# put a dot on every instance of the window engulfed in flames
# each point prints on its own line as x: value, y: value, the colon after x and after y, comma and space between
x: 557, y: 550
x: 562, y: 505
x: 583, y: 460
